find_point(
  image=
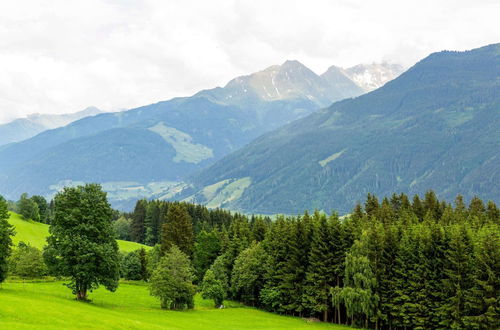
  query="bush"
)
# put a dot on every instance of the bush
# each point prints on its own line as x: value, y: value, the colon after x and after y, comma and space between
x: 26, y: 261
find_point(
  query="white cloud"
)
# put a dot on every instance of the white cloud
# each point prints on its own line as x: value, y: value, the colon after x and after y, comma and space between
x: 61, y: 56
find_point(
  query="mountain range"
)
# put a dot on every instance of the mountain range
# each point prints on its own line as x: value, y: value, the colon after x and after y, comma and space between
x: 436, y: 126
x: 147, y: 151
x: 24, y: 128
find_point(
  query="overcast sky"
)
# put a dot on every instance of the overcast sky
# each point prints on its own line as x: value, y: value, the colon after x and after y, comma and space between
x: 61, y: 56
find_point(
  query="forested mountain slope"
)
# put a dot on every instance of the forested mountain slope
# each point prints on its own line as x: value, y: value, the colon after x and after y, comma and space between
x: 437, y: 126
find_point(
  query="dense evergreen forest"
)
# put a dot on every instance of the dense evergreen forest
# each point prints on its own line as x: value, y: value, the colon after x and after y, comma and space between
x: 394, y: 264
x: 391, y: 264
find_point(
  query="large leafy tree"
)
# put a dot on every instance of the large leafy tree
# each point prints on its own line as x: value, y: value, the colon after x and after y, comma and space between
x: 81, y: 239
x: 171, y: 281
x: 6, y: 231
x: 248, y: 274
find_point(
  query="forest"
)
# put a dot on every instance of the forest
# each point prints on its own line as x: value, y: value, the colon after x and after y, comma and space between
x: 398, y: 263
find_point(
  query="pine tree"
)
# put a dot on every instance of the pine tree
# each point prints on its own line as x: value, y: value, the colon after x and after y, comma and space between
x: 152, y: 222
x: 138, y: 230
x: 483, y: 300
x: 178, y: 230
x: 458, y: 279
x: 321, y: 273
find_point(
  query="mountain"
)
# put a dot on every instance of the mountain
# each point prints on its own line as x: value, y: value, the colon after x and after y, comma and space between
x: 436, y: 127
x: 146, y: 151
x: 372, y: 76
x: 24, y: 128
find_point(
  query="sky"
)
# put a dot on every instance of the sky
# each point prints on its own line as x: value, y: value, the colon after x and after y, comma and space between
x: 61, y: 56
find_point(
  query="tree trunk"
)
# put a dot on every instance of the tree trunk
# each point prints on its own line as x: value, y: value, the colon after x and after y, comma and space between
x: 81, y: 294
x: 325, y: 315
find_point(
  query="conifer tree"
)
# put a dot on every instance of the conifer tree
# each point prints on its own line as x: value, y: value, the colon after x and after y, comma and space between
x: 458, y: 280
x: 138, y: 220
x: 178, y: 230
x: 483, y: 300
x: 321, y: 275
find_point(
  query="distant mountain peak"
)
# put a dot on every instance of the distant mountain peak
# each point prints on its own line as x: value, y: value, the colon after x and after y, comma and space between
x: 374, y: 75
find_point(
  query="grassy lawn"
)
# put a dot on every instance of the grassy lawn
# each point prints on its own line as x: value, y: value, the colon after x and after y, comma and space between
x: 35, y: 233
x: 50, y: 305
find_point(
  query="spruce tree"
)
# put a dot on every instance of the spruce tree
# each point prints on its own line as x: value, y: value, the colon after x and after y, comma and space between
x: 178, y: 230
x: 483, y: 301
x: 138, y: 230
x: 458, y: 280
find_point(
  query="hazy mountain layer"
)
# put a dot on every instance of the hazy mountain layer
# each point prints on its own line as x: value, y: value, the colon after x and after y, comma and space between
x: 24, y: 128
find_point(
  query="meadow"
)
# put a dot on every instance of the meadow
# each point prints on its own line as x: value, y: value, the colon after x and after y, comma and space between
x: 50, y: 305
x: 35, y: 233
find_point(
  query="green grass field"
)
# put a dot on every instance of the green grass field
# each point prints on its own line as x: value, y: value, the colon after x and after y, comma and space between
x: 50, y: 305
x: 35, y: 233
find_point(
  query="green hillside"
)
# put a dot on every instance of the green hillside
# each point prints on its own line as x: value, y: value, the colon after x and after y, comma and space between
x: 50, y: 305
x: 35, y: 233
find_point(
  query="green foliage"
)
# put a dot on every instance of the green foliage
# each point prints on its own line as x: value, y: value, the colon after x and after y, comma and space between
x: 28, y: 208
x: 43, y: 208
x: 130, y: 266
x: 483, y: 299
x: 213, y: 288
x: 6, y: 231
x: 247, y: 279
x: 122, y: 228
x: 171, y: 281
x: 27, y: 262
x: 206, y: 249
x: 178, y: 230
x: 82, y: 241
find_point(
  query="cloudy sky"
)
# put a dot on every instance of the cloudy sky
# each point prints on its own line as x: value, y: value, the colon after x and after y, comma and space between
x: 61, y: 56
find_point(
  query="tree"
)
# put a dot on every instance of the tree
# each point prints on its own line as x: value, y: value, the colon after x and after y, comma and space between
x: 483, y: 302
x: 6, y: 231
x: 171, y: 281
x: 26, y: 261
x: 178, y: 230
x: 152, y: 223
x: 213, y: 288
x: 81, y: 239
x: 122, y: 227
x: 206, y: 250
x: 43, y: 207
x: 248, y: 274
x: 131, y: 266
x: 137, y: 229
x: 357, y: 294
x: 28, y: 208
x: 458, y: 281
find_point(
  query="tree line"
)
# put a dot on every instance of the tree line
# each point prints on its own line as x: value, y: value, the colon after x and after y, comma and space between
x: 391, y: 264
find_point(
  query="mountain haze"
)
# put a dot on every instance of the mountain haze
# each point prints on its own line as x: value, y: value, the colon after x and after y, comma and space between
x: 25, y: 128
x: 146, y: 151
x: 434, y: 127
